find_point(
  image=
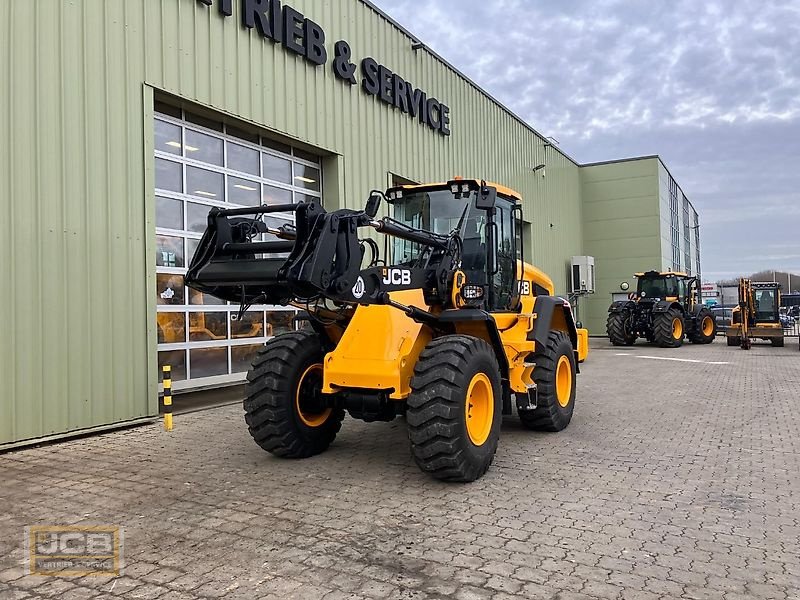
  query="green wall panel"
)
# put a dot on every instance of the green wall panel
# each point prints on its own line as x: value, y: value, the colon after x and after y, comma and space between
x: 622, y: 229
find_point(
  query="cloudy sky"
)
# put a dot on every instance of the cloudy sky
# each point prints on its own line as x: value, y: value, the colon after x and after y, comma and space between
x: 712, y: 86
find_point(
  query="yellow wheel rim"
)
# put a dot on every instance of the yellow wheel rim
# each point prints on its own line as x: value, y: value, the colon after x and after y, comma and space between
x: 479, y: 409
x: 563, y: 381
x: 677, y: 328
x: 310, y: 377
x: 708, y: 326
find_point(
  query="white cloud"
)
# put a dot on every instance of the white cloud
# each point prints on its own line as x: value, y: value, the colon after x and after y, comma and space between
x: 713, y: 87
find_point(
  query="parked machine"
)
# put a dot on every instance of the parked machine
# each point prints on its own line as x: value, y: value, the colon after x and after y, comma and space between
x: 665, y: 308
x: 757, y: 316
x: 451, y: 328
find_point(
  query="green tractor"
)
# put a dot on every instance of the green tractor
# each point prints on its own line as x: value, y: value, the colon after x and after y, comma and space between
x: 665, y: 309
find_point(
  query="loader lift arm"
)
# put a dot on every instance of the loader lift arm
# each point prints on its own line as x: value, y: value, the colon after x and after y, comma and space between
x: 324, y: 260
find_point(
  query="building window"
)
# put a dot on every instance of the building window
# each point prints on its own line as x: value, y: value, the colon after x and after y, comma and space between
x: 675, y: 225
x: 698, y: 271
x: 200, y: 164
x: 687, y: 252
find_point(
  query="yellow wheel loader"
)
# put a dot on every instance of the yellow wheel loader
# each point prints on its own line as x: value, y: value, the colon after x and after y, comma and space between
x: 451, y: 329
x: 757, y: 316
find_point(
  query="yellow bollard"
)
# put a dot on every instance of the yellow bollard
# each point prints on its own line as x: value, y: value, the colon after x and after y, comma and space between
x: 166, y: 381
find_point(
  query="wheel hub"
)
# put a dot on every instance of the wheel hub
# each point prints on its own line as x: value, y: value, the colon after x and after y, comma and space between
x: 308, y: 398
x: 563, y: 381
x: 708, y: 326
x: 677, y: 328
x: 479, y: 409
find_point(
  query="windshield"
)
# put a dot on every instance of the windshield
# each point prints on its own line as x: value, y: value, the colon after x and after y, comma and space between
x: 657, y: 287
x: 440, y: 212
x: 766, y: 305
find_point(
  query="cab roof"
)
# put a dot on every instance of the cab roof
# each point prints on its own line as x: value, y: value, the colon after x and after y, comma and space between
x: 501, y: 189
x: 661, y: 274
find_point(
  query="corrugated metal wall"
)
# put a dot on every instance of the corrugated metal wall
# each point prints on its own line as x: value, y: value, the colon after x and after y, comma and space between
x: 621, y: 229
x: 76, y: 119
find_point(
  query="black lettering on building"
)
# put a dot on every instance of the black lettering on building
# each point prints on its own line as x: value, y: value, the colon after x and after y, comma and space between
x: 399, y: 93
x: 315, y: 43
x: 385, y: 78
x: 369, y: 69
x: 284, y: 25
x: 293, y: 30
x: 423, y: 108
x: 434, y: 110
x: 414, y: 100
x: 254, y: 14
x: 444, y: 127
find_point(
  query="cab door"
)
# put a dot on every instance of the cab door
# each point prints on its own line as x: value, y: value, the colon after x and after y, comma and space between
x: 505, y: 295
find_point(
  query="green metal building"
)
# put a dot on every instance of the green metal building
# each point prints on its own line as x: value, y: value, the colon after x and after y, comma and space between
x: 126, y: 120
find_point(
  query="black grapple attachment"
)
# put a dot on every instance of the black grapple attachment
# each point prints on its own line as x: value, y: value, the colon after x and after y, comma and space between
x: 233, y: 263
x: 319, y: 257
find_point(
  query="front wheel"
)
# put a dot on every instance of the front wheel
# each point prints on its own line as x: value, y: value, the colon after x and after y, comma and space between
x: 617, y: 330
x: 705, y: 329
x: 668, y: 328
x: 284, y: 407
x: 454, y: 410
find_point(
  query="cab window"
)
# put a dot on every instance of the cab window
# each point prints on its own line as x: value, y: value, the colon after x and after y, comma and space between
x: 506, y: 244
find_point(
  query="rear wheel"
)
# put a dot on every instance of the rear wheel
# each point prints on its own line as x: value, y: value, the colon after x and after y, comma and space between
x: 706, y: 328
x: 284, y: 407
x: 668, y: 328
x: 454, y: 410
x: 734, y: 341
x: 777, y: 342
x: 617, y: 332
x: 554, y: 376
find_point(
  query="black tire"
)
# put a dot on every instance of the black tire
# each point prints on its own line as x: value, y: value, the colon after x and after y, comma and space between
x: 734, y: 341
x: 777, y: 342
x: 705, y: 327
x: 437, y: 411
x: 273, y: 402
x: 615, y: 327
x: 554, y: 410
x: 663, y: 333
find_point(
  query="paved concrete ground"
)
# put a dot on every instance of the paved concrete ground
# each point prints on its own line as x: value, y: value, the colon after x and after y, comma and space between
x: 674, y: 480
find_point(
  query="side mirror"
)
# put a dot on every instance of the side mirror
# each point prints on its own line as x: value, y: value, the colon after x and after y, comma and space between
x: 487, y: 197
x: 373, y: 204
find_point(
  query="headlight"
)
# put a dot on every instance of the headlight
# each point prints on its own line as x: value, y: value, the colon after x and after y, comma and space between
x: 472, y: 292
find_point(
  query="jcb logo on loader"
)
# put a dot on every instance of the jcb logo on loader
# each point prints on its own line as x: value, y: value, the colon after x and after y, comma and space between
x: 525, y: 288
x: 396, y: 277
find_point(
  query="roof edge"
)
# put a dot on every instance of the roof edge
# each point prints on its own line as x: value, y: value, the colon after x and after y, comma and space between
x: 646, y: 157
x: 622, y: 160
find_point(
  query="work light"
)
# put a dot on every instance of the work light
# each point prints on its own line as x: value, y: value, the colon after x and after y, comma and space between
x: 472, y: 292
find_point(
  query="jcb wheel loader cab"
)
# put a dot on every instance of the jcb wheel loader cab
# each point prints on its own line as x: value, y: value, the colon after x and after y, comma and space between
x: 284, y: 407
x: 454, y: 410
